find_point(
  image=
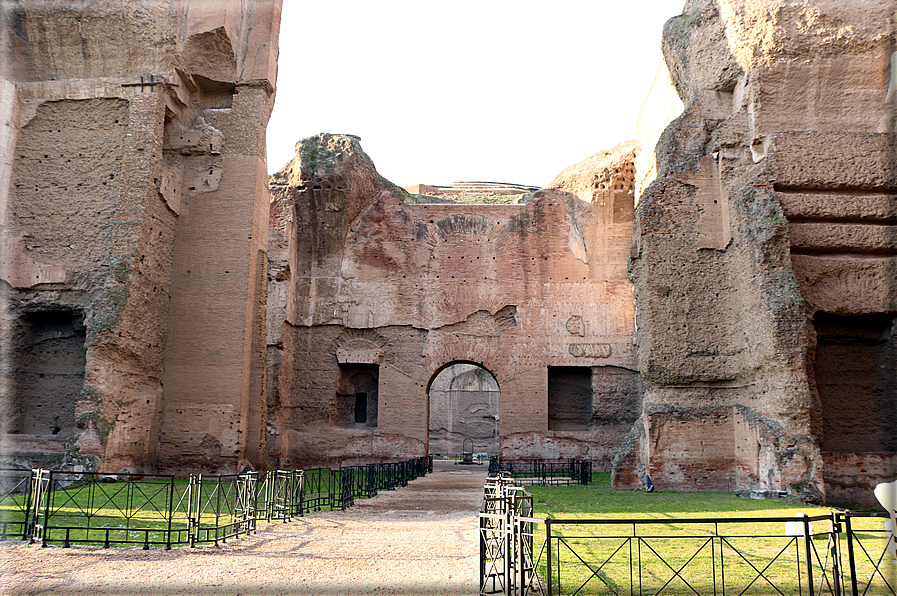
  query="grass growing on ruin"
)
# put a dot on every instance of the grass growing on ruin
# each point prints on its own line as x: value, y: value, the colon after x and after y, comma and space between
x: 672, y: 557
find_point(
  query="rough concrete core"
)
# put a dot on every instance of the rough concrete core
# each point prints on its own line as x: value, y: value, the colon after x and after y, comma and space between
x: 134, y: 195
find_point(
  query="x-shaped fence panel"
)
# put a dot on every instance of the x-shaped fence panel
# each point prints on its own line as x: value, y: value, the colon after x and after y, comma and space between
x: 521, y: 554
x: 68, y: 507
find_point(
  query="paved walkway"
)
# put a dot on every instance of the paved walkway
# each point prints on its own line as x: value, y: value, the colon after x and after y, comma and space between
x: 421, y: 539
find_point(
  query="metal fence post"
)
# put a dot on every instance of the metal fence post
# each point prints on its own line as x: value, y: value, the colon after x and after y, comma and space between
x: 170, y: 513
x: 301, y: 492
x: 48, y: 490
x: 548, y: 553
x: 28, y: 525
x: 836, y: 553
x: 482, y: 556
x: 217, y: 508
x: 809, y: 548
x: 194, y: 490
x: 850, y: 556
x: 506, y: 542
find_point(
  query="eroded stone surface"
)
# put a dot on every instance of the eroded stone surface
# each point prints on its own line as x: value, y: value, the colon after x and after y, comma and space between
x: 381, y: 286
x: 161, y: 310
x: 765, y: 272
x: 134, y: 221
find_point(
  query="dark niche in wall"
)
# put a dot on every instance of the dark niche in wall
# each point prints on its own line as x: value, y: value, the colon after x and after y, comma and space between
x: 49, y: 357
x: 356, y: 396
x: 569, y: 397
x: 856, y: 377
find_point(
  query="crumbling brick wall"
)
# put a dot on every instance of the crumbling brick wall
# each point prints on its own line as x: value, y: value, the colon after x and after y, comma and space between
x: 135, y: 148
x: 764, y: 235
x: 377, y: 280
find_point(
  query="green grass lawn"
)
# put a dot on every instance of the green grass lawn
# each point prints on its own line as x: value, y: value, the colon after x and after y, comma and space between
x: 125, y: 512
x: 143, y: 510
x: 599, y: 500
x: 677, y: 557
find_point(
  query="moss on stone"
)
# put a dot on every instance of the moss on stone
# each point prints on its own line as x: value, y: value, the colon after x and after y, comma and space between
x: 309, y: 153
x: 110, y: 306
x: 629, y: 445
x: 88, y: 393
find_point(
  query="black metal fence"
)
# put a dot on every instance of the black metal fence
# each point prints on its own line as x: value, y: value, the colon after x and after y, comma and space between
x: 151, y: 510
x: 822, y: 555
x: 544, y: 472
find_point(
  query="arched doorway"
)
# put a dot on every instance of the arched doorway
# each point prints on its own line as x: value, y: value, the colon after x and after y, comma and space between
x: 464, y: 400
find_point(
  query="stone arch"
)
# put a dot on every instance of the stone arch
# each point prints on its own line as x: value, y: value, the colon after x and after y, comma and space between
x: 358, y: 346
x: 463, y: 400
x: 487, y: 355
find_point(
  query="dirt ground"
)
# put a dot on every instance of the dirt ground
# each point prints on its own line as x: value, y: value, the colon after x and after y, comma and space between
x: 420, y: 539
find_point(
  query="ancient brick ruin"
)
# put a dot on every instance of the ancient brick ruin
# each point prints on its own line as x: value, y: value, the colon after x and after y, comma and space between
x: 712, y: 304
x: 765, y: 268
x: 134, y: 233
x: 385, y: 291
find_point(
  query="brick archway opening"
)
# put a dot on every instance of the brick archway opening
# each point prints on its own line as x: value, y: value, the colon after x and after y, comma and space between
x: 463, y: 399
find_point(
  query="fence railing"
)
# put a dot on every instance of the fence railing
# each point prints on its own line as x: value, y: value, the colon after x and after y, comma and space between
x: 15, y: 493
x: 279, y: 495
x: 544, y: 472
x: 821, y: 555
x: 153, y: 510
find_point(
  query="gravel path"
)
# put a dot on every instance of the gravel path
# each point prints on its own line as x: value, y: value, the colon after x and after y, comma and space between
x: 421, y: 539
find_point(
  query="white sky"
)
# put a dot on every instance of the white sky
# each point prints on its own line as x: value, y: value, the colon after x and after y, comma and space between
x: 444, y: 91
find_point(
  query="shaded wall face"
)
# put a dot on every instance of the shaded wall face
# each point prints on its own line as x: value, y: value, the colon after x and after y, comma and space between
x: 464, y: 410
x: 459, y: 418
x: 48, y: 373
x: 355, y: 404
x: 569, y: 398
x: 81, y: 248
x: 593, y: 398
x: 856, y: 377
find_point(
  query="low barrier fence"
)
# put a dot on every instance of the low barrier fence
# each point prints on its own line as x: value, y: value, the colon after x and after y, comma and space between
x: 543, y: 472
x: 154, y: 510
x: 834, y: 554
x: 15, y: 492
